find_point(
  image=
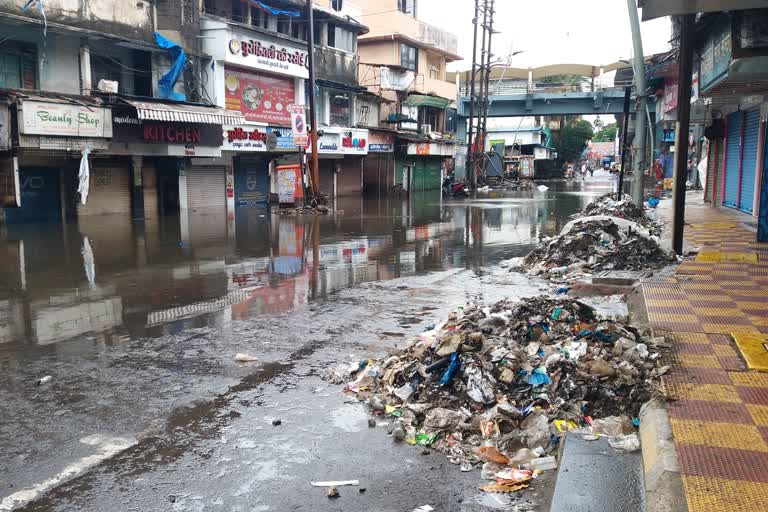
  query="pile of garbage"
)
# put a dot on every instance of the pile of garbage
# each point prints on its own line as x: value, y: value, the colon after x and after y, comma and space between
x: 606, y: 235
x: 622, y: 209
x: 319, y: 209
x: 499, y: 385
x: 589, y: 245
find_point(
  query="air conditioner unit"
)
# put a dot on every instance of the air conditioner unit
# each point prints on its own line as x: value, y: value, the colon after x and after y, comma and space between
x: 426, y: 129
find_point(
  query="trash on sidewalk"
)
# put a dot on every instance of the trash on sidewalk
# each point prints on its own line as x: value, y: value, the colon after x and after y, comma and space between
x: 623, y: 209
x: 424, y: 508
x: 542, y: 188
x: 335, y: 483
x: 521, y: 375
x: 627, y: 443
x: 245, y: 358
x: 333, y: 492
x: 44, y: 380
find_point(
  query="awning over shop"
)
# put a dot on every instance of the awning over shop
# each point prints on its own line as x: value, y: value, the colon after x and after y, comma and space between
x: 420, y: 100
x: 184, y: 113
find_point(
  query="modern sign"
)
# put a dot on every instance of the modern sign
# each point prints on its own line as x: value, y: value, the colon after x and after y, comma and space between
x: 350, y: 142
x: 145, y: 137
x: 276, y: 57
x: 299, y: 126
x: 62, y: 119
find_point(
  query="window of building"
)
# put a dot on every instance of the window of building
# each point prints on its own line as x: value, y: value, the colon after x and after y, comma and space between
x: 407, y: 6
x: 237, y: 11
x: 450, y: 120
x: 259, y: 18
x: 337, y: 5
x: 341, y: 108
x: 10, y: 71
x: 299, y: 31
x: 431, y: 116
x: 409, y: 57
x: 318, y: 33
x: 284, y: 25
x: 340, y: 38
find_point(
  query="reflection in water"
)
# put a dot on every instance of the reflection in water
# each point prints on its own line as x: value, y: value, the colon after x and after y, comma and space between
x: 168, y: 274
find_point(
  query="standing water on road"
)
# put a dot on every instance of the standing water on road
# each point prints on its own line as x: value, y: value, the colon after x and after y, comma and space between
x: 135, y: 321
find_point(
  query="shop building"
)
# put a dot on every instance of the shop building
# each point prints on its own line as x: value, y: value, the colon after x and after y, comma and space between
x: 403, y: 62
x: 259, y: 70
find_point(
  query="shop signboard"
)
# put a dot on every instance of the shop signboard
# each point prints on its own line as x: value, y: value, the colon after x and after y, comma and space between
x: 279, y: 139
x: 354, y: 142
x: 670, y: 95
x: 381, y: 142
x: 132, y: 135
x: 259, y: 97
x: 244, y: 138
x: 266, y: 55
x: 716, y: 57
x: 431, y: 149
x: 329, y: 143
x: 63, y: 119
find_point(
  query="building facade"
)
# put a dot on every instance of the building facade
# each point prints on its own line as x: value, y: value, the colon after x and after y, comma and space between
x: 403, y: 63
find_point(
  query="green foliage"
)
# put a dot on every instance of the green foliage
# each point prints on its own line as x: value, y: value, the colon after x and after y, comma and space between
x: 571, y: 140
x: 606, y: 134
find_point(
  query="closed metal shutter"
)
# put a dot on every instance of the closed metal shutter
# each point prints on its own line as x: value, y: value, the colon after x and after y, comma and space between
x: 350, y: 178
x: 732, y: 160
x: 749, y: 164
x: 149, y: 181
x: 110, y: 189
x: 714, y: 168
x: 207, y: 188
x: 427, y: 174
x: 327, y: 176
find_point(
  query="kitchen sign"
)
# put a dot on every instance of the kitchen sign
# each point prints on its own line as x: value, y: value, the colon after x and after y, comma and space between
x: 273, y: 56
x: 131, y: 129
x: 62, y: 119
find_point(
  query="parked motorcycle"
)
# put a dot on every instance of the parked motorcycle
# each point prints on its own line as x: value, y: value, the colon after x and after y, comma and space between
x: 453, y: 189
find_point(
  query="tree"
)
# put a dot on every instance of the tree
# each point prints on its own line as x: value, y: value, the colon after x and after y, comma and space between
x: 606, y: 134
x: 571, y: 141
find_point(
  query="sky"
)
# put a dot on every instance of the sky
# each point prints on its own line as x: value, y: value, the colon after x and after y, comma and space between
x: 594, y: 32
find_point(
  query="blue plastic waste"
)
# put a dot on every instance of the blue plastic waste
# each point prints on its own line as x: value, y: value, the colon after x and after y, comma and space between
x: 538, y: 377
x: 455, y: 363
x: 168, y: 80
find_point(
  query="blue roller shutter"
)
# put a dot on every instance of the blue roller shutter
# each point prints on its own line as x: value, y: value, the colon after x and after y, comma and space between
x: 732, y: 157
x: 749, y: 164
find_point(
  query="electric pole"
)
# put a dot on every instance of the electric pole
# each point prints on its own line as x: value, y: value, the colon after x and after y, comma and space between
x: 470, y: 169
x: 486, y: 102
x: 640, y: 133
x: 312, y: 106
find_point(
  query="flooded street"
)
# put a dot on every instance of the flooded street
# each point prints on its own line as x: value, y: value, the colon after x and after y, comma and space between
x: 138, y: 325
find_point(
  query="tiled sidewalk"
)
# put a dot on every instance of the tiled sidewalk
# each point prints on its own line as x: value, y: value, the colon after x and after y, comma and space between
x: 719, y: 408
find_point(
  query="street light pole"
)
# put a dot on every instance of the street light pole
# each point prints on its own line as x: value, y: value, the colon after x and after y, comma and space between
x: 312, y: 106
x: 640, y: 133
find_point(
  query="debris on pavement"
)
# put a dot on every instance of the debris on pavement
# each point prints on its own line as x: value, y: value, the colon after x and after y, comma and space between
x: 245, y: 358
x: 335, y: 483
x: 44, y: 380
x: 277, y: 423
x: 497, y: 386
x: 333, y: 492
x: 592, y: 244
x: 606, y: 235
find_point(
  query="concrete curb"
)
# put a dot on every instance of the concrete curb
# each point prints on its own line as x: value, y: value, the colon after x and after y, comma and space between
x: 664, y: 490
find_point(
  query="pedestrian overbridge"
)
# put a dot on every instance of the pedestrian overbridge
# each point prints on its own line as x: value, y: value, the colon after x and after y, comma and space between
x: 603, y: 102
